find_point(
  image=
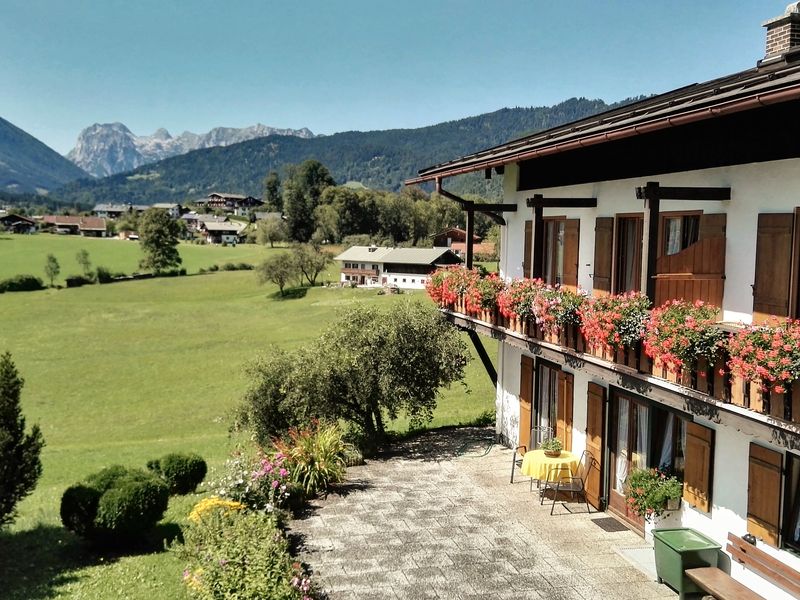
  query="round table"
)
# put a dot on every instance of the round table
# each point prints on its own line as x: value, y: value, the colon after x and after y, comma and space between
x: 537, y: 466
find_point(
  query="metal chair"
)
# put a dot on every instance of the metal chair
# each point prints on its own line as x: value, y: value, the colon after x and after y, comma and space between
x: 538, y: 435
x: 560, y: 479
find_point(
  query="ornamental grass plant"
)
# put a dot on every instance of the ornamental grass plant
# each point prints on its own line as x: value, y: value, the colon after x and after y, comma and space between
x: 679, y: 333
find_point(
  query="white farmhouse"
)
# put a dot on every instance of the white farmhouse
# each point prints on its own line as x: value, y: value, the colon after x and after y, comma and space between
x: 691, y: 194
x: 407, y: 268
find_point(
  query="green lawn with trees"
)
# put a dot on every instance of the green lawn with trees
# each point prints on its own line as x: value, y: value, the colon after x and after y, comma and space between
x: 128, y: 372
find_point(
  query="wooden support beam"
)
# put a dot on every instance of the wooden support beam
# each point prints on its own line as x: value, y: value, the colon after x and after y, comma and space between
x: 470, y: 236
x: 480, y: 207
x: 538, y: 243
x: 482, y: 354
x: 469, y: 205
x: 687, y: 193
x: 540, y: 201
x: 652, y: 204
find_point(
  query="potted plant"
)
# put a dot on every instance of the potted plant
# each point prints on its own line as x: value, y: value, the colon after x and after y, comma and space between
x: 768, y: 355
x: 482, y: 295
x: 552, y: 447
x: 614, y: 322
x: 650, y: 492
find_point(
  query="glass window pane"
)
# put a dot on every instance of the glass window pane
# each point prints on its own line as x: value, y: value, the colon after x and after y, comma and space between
x: 672, y: 236
x: 623, y: 408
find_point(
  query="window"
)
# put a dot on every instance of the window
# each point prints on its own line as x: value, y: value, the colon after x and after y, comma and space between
x: 679, y: 232
x: 628, y: 254
x: 553, y: 405
x: 553, y: 268
x: 791, y: 531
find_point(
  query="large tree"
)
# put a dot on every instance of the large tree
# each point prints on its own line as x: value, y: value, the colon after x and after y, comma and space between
x: 272, y: 192
x: 20, y: 466
x: 301, y: 194
x: 311, y: 261
x: 159, y: 236
x: 278, y: 269
x: 271, y: 230
x: 371, y: 363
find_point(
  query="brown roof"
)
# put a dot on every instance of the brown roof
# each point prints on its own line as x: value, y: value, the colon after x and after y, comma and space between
x: 766, y: 84
x: 82, y: 222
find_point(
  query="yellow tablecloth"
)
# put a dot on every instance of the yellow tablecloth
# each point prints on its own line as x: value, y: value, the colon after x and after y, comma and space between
x: 536, y: 465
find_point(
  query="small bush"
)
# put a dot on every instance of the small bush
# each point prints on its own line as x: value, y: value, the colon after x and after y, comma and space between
x: 213, y: 268
x: 182, y: 472
x: 116, y: 503
x: 243, y: 266
x: 229, y: 267
x: 234, y: 553
x: 74, y: 281
x: 103, y: 275
x: 182, y: 271
x: 224, y: 244
x: 260, y: 482
x: 21, y: 283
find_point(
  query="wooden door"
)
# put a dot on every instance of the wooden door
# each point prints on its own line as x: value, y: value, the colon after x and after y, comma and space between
x: 595, y: 421
x: 527, y: 250
x: 572, y: 235
x: 773, y: 275
x: 564, y: 409
x: 603, y: 249
x: 525, y: 400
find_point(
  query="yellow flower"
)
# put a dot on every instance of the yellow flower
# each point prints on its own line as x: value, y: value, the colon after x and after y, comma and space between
x: 214, y: 503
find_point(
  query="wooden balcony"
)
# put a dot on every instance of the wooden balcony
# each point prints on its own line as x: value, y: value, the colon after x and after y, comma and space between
x: 707, y: 382
x: 359, y: 272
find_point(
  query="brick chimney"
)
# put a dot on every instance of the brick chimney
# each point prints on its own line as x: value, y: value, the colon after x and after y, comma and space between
x: 783, y: 32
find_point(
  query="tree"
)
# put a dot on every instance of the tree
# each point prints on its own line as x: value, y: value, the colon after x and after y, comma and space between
x: 301, y: 195
x: 159, y: 239
x: 20, y: 466
x: 271, y: 230
x: 51, y: 268
x: 311, y: 261
x: 278, y: 269
x: 327, y: 221
x: 272, y: 192
x: 371, y: 363
x: 83, y: 260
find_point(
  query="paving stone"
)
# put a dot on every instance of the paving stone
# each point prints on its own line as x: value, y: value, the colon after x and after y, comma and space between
x: 430, y: 522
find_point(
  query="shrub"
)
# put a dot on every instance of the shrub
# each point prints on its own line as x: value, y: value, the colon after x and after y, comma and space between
x: 213, y: 268
x: 182, y: 271
x: 182, y: 472
x: 234, y: 553
x: 243, y: 266
x: 74, y: 281
x: 229, y: 267
x: 103, y: 275
x: 21, y: 283
x: 316, y: 456
x: 116, y: 503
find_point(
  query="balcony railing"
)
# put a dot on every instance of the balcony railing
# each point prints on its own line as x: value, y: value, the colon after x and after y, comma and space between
x: 713, y: 380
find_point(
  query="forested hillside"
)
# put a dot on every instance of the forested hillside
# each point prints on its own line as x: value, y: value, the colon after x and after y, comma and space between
x: 378, y: 159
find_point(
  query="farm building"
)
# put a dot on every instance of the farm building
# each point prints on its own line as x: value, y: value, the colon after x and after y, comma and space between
x: 407, y: 268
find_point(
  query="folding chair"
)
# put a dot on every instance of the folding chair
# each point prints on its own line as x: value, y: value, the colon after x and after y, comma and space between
x: 560, y: 479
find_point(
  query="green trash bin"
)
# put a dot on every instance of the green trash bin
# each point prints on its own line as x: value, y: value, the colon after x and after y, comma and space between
x: 680, y: 549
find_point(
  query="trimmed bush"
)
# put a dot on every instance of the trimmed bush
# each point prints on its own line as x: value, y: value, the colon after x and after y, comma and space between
x: 182, y: 472
x: 21, y: 283
x: 103, y: 275
x: 115, y: 503
x: 74, y: 281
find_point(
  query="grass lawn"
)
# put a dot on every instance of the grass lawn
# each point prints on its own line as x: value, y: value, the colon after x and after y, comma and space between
x: 27, y: 254
x: 125, y: 372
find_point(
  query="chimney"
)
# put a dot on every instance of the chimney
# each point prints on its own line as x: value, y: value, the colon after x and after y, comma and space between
x: 783, y: 32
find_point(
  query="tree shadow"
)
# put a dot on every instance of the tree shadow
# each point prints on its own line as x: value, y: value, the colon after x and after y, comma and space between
x: 35, y: 564
x: 294, y: 293
x: 445, y: 443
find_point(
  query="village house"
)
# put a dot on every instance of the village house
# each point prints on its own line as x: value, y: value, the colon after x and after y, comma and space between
x: 17, y: 223
x: 221, y: 232
x: 456, y: 239
x: 407, y: 268
x: 692, y: 194
x: 174, y: 210
x: 237, y: 204
x: 115, y: 211
x: 73, y: 225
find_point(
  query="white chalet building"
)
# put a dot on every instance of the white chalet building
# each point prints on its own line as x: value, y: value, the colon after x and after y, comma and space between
x: 691, y: 194
x: 407, y: 268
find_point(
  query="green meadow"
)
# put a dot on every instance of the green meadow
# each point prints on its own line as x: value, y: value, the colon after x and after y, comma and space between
x: 125, y: 372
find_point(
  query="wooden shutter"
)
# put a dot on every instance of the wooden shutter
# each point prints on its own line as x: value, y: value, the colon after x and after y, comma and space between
x: 595, y: 413
x: 764, y: 494
x: 603, y: 249
x: 572, y: 236
x: 712, y: 226
x: 773, y: 265
x: 564, y: 409
x: 525, y: 398
x: 527, y: 265
x: 697, y: 482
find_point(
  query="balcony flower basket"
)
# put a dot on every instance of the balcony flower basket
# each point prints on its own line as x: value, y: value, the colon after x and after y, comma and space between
x: 649, y: 492
x: 679, y: 334
x: 767, y: 355
x: 515, y: 302
x: 556, y: 308
x: 614, y: 322
x: 437, y: 289
x: 481, y: 297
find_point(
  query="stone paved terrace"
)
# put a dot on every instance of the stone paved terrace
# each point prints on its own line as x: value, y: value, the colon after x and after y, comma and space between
x: 438, y: 518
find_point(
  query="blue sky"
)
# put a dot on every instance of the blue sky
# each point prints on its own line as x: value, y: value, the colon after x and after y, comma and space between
x: 344, y: 65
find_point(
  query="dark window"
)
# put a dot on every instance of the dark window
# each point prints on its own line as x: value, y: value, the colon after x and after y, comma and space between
x: 791, y: 535
x: 628, y: 260
x: 680, y: 232
x: 553, y: 271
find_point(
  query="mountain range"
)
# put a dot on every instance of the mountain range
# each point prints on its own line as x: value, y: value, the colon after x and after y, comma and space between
x: 377, y: 159
x: 108, y: 148
x: 29, y: 166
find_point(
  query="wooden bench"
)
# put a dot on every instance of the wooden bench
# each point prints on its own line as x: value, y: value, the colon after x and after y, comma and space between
x: 721, y: 585
x: 767, y: 566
